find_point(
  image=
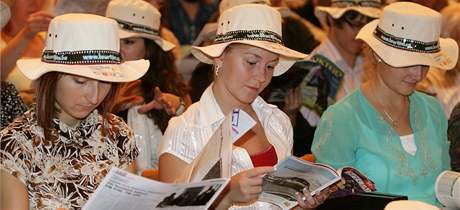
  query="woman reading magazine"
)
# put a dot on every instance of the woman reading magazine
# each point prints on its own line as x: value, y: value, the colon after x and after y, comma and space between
x: 247, y: 52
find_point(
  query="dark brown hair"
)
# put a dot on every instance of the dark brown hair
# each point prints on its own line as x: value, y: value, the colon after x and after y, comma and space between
x: 162, y: 73
x: 46, y: 98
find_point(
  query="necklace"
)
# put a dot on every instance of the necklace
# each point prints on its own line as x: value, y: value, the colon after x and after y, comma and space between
x: 394, y: 122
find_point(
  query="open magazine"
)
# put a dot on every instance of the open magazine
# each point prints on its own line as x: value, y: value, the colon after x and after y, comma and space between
x: 214, y: 160
x: 293, y: 174
x: 319, y: 87
x: 448, y: 189
x: 122, y: 190
x: 318, y: 78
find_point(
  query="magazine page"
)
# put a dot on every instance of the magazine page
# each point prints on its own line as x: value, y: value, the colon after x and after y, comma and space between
x: 319, y: 87
x: 353, y: 182
x: 448, y: 189
x: 292, y: 175
x: 214, y: 161
x: 122, y: 190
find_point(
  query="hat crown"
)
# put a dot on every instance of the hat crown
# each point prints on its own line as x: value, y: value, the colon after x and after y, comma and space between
x: 261, y: 18
x: 418, y: 23
x: 134, y: 11
x: 227, y: 4
x: 82, y: 32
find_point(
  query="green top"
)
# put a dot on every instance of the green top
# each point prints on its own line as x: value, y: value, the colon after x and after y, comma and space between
x: 353, y: 133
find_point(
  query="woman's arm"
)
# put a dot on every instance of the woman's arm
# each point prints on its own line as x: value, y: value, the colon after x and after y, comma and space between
x: 170, y: 167
x: 13, y: 193
x: 132, y: 167
x: 36, y: 22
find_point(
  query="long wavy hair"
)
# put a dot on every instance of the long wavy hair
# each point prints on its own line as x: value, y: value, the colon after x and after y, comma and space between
x: 162, y: 73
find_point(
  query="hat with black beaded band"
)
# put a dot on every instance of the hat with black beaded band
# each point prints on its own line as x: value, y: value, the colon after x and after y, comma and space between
x: 85, y: 45
x: 138, y: 18
x: 252, y: 24
x: 408, y: 34
x: 369, y: 8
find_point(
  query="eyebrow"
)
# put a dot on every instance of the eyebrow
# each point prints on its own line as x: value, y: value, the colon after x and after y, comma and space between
x: 259, y: 57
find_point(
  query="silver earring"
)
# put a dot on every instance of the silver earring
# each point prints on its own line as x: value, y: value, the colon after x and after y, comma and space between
x: 216, y: 71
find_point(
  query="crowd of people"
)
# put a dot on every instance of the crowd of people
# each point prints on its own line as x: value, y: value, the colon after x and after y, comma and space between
x: 143, y: 85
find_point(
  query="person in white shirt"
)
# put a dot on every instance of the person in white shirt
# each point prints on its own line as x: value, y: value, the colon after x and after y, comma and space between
x: 343, y: 20
x: 142, y: 103
x: 247, y: 52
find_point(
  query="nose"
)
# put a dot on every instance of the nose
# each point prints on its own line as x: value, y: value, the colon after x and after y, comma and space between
x: 418, y: 72
x: 92, y: 93
x: 259, y: 74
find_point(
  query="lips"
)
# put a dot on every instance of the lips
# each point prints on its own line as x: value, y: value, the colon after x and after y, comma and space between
x: 255, y: 89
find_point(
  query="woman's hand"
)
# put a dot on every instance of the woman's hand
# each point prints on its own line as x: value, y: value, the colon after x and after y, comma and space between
x: 37, y: 22
x: 246, y: 186
x: 292, y: 103
x: 306, y: 201
x: 167, y: 101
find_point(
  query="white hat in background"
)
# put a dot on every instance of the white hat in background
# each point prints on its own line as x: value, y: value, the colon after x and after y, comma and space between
x: 369, y: 8
x: 408, y: 34
x: 227, y: 4
x: 258, y: 25
x: 138, y: 18
x: 84, y: 45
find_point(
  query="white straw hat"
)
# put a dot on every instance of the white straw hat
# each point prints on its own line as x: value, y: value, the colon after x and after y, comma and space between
x: 227, y: 4
x: 85, y: 45
x: 409, y: 205
x: 252, y: 24
x: 138, y: 18
x: 369, y: 8
x: 408, y: 34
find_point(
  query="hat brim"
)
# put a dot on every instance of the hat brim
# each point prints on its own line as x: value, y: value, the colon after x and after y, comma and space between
x: 321, y: 12
x: 124, y: 72
x: 287, y: 56
x: 165, y: 45
x: 445, y: 59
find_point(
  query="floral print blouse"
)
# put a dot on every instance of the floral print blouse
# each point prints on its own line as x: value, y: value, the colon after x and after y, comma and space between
x: 63, y: 173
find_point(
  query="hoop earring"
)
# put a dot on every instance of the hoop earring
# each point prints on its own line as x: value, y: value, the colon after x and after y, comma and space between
x: 216, y: 70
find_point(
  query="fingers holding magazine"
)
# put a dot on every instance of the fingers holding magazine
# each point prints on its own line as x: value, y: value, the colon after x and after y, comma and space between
x: 246, y: 186
x: 307, y: 201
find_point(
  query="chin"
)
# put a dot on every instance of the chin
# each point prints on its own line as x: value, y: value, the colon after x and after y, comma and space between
x: 247, y: 99
x: 407, y: 91
x: 81, y: 115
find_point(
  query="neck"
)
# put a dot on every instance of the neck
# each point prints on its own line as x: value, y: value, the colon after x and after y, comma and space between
x: 70, y: 121
x: 383, y: 95
x: 349, y: 58
x: 226, y: 101
x: 191, y: 8
x: 66, y: 118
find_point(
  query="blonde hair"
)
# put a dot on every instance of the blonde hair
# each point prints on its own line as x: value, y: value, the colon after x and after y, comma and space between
x: 369, y: 64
